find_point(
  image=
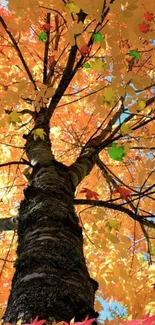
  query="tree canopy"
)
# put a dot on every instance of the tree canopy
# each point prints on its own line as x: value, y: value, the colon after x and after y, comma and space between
x: 88, y: 66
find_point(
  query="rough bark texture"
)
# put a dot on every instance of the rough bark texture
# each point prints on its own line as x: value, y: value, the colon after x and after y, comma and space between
x: 51, y: 278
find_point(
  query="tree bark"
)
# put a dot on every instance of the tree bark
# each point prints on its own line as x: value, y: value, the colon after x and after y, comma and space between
x: 51, y: 279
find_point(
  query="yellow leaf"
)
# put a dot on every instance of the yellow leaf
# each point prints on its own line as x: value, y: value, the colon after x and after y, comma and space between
x: 141, y: 104
x: 108, y: 94
x: 72, y: 320
x: 125, y: 129
x: 38, y: 133
x: 114, y: 223
x: 97, y: 65
x: 72, y: 8
x: 19, y: 322
x: 14, y: 117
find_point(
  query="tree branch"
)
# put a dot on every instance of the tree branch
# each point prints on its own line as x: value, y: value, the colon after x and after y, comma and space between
x: 46, y: 50
x: 18, y: 52
x: 7, y: 224
x: 25, y: 162
x: 116, y: 207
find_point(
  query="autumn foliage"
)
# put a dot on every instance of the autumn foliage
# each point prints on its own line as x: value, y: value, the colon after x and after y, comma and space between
x: 108, y: 104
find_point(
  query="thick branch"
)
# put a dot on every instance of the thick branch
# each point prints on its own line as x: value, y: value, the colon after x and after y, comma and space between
x: 7, y: 224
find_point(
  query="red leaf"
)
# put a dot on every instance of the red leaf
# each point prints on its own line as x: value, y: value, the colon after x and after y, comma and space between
x: 89, y: 194
x: 124, y: 193
x: 144, y: 321
x: 144, y: 28
x: 84, y: 50
x: 46, y: 27
x: 148, y: 16
x: 51, y: 59
x: 138, y: 158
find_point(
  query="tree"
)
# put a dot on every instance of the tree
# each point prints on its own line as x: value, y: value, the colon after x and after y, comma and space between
x: 79, y: 78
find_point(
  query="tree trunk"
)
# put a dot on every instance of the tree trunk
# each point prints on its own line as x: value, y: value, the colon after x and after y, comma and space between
x: 51, y: 278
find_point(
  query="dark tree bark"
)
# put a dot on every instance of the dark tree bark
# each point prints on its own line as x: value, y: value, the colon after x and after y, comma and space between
x: 51, y: 279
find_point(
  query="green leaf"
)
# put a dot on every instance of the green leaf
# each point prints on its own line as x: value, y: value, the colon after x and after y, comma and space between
x: 116, y: 153
x: 86, y: 65
x: 42, y: 37
x: 98, y: 37
x: 135, y: 54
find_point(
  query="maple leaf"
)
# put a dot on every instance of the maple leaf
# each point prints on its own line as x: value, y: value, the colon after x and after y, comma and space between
x: 138, y: 158
x: 86, y: 321
x: 89, y: 194
x: 51, y: 59
x: 135, y: 54
x: 14, y: 118
x: 97, y: 65
x: 108, y: 94
x: 144, y: 28
x: 116, y: 153
x: 38, y: 133
x: 148, y: 16
x: 98, y: 37
x: 125, y: 129
x: 87, y: 65
x: 124, y: 193
x: 141, y: 104
x: 72, y: 8
x: 42, y: 37
x: 46, y: 27
x: 36, y: 322
x: 145, y: 321
x: 84, y: 50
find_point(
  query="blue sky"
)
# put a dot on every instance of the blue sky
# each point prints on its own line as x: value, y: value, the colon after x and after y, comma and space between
x: 4, y: 2
x: 111, y: 307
